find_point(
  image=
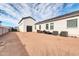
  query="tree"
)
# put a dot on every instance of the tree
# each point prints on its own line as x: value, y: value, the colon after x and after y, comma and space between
x: 0, y: 22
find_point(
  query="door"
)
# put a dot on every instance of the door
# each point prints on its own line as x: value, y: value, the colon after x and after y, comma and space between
x: 29, y: 28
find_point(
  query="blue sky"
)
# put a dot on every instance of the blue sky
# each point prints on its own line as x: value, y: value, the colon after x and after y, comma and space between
x: 11, y: 13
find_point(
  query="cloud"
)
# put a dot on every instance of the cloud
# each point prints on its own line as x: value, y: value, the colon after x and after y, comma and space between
x: 6, y: 11
x: 69, y: 5
x: 25, y: 10
x: 45, y: 10
x: 7, y: 19
x: 13, y: 12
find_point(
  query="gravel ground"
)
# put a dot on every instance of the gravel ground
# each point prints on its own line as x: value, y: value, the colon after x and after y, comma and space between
x: 38, y: 44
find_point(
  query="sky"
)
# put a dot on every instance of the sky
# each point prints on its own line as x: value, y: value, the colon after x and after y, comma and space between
x: 12, y: 13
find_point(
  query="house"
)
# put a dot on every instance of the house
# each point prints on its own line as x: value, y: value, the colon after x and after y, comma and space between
x: 27, y: 24
x: 68, y: 22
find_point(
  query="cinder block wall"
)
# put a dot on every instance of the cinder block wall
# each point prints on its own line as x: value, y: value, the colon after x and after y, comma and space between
x: 3, y: 30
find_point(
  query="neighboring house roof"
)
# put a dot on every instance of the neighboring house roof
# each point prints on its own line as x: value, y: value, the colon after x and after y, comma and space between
x: 26, y: 18
x: 72, y: 14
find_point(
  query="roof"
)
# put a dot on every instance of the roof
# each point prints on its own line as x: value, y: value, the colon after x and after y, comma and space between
x: 26, y: 18
x: 69, y: 15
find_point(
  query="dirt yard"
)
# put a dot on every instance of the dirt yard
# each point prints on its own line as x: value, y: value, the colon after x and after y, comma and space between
x: 38, y: 44
x: 10, y: 45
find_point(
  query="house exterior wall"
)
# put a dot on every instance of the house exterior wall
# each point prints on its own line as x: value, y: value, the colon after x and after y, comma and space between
x: 61, y: 25
x: 27, y: 22
x: 21, y: 26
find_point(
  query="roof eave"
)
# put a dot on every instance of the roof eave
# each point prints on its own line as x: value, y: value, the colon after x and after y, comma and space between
x: 26, y: 18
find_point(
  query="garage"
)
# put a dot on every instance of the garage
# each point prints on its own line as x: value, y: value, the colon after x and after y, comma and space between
x: 26, y: 24
x: 29, y: 28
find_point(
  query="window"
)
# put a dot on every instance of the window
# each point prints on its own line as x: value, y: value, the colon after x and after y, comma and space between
x: 51, y: 26
x: 39, y: 26
x: 47, y: 26
x: 72, y: 23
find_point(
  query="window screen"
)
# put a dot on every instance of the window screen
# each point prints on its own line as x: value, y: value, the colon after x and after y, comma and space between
x: 72, y: 23
x: 39, y: 26
x: 51, y: 26
x: 47, y: 26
